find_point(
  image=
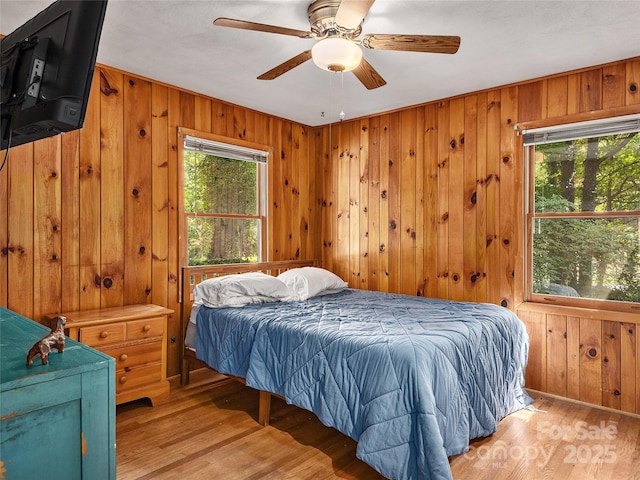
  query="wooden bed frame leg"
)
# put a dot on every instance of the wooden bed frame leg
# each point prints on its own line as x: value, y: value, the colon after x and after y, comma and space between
x: 184, y: 373
x: 264, y: 408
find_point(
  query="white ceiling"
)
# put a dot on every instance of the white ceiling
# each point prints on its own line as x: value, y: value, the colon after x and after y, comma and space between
x: 175, y: 42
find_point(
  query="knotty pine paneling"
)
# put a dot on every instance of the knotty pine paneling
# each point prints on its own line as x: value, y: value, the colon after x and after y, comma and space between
x: 19, y: 249
x: 112, y: 188
x: 137, y: 190
x: 373, y: 191
x: 492, y: 185
x: 632, y: 83
x: 47, y: 216
x: 629, y: 364
x: 510, y: 179
x: 478, y: 276
x: 70, y: 250
x: 90, y: 218
x: 394, y: 198
x: 428, y: 285
x: 160, y: 192
x: 424, y: 200
x: 354, y: 214
x: 448, y: 181
x: 470, y: 271
x: 383, y: 206
x: 174, y: 120
x: 364, y: 166
x: 556, y: 348
x: 613, y: 85
x: 586, y: 355
x: 557, y: 97
x: 409, y: 201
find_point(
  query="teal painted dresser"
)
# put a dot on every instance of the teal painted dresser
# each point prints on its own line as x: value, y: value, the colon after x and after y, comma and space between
x: 57, y: 421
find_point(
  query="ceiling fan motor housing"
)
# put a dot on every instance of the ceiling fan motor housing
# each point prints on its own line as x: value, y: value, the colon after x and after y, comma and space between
x: 322, y: 15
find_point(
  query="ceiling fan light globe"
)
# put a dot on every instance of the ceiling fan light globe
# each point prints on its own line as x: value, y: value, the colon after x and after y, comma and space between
x: 336, y: 54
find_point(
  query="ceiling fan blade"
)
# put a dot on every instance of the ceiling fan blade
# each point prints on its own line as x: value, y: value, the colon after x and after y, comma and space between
x: 412, y: 43
x: 286, y: 66
x: 368, y: 75
x: 260, y: 27
x: 351, y: 12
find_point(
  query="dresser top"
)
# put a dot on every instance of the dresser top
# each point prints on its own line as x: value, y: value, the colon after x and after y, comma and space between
x: 18, y: 334
x: 111, y: 314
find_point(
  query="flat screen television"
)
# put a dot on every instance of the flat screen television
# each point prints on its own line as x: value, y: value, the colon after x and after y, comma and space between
x: 46, y: 68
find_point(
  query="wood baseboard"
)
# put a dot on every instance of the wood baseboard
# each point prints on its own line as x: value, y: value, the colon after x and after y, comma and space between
x: 537, y: 393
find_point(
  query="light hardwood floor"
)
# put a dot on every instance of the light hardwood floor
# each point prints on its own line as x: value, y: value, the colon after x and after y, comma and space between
x: 212, y: 433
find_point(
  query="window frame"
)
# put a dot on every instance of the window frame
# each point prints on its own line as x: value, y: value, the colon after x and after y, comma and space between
x: 262, y: 192
x: 530, y: 216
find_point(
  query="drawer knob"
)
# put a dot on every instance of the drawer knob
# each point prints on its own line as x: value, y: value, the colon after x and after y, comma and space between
x: 123, y: 379
x: 123, y: 357
x: 146, y: 328
x: 104, y: 334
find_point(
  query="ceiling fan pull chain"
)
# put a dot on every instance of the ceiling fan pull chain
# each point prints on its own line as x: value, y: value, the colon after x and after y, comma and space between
x: 341, y: 95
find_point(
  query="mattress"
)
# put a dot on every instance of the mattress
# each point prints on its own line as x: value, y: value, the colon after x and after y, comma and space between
x: 411, y: 379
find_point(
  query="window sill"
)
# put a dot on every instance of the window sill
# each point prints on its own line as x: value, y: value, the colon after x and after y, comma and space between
x: 593, y: 313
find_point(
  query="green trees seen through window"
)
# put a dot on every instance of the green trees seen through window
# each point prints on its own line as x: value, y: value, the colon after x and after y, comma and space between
x: 586, y: 220
x: 221, y: 202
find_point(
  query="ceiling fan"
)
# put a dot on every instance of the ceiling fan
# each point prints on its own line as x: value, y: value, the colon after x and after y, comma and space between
x: 336, y: 25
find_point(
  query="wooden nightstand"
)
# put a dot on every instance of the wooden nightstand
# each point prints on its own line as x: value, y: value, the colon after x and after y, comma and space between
x: 135, y: 336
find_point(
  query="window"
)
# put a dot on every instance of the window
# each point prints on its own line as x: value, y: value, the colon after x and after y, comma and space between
x: 224, y: 204
x: 583, y: 213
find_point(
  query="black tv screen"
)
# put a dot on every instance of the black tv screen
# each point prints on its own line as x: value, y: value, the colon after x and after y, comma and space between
x: 46, y: 69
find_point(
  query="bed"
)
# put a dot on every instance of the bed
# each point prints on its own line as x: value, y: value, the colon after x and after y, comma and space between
x: 411, y: 379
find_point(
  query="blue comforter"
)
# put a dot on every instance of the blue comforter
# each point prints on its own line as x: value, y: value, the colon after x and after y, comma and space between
x: 411, y: 379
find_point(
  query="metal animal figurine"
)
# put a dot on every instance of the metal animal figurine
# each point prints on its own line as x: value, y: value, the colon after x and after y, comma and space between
x: 55, y: 339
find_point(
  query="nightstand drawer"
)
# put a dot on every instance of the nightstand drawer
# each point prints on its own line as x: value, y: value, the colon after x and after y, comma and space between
x: 138, y: 354
x: 103, y: 334
x: 136, y: 376
x: 149, y: 327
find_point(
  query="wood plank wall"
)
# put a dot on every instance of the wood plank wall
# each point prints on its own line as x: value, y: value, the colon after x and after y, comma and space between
x: 589, y: 356
x: 424, y: 200
x: 427, y: 201
x: 89, y: 219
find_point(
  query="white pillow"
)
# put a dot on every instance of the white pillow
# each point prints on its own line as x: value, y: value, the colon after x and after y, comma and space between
x: 307, y: 282
x: 240, y: 289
